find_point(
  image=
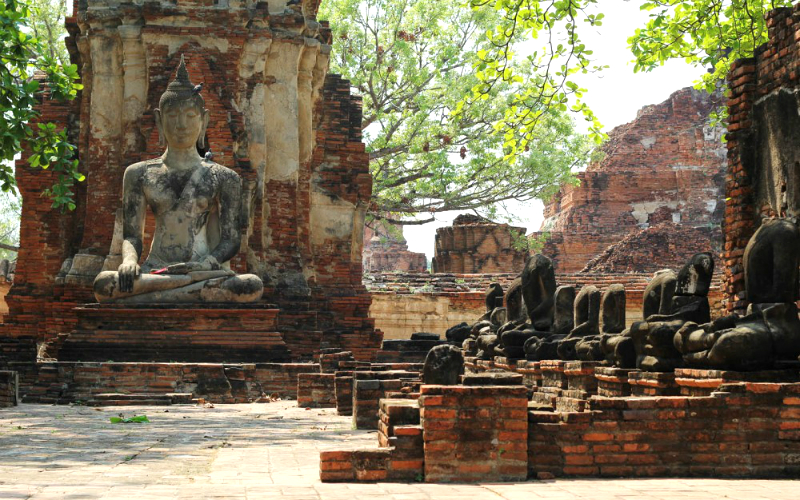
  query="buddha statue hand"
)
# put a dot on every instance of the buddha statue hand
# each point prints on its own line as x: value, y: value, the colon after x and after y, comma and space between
x: 209, y: 263
x: 128, y: 271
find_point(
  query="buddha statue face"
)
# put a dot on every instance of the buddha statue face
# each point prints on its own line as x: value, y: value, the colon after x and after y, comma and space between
x: 181, y: 116
x: 182, y: 124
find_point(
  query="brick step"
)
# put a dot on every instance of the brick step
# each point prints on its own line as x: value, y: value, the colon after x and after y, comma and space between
x: 143, y: 399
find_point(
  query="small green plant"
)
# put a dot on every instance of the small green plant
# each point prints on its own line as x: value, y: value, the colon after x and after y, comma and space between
x: 136, y: 419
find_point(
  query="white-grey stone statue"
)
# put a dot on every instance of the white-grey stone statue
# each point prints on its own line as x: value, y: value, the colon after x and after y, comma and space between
x: 196, y: 204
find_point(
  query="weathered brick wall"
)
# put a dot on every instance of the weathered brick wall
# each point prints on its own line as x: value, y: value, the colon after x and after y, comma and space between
x: 316, y: 390
x: 664, y: 246
x: 66, y: 382
x: 476, y: 245
x: 474, y: 434
x: 8, y: 388
x: 751, y: 431
x: 666, y: 165
x: 762, y: 150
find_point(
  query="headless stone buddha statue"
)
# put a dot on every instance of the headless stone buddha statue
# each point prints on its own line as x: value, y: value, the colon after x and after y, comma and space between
x: 197, y: 205
x: 770, y: 331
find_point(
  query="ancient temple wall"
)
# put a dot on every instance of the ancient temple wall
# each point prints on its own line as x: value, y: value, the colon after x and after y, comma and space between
x: 666, y: 165
x: 763, y: 146
x: 296, y: 146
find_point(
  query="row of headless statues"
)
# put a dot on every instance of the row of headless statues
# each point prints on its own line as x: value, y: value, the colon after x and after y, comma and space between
x: 542, y: 321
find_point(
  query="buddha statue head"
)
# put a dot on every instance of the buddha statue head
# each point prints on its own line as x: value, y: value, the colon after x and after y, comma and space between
x: 181, y: 116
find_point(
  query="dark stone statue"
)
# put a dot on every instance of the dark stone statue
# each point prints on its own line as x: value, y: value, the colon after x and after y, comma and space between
x: 771, y: 330
x: 612, y: 309
x: 538, y: 290
x: 612, y: 321
x: 670, y: 301
x: 458, y: 333
x: 564, y: 314
x: 494, y: 297
x: 587, y: 321
x: 515, y: 307
x: 444, y: 364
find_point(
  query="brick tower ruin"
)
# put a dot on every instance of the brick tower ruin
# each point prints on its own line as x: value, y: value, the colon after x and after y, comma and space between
x: 287, y: 127
x: 666, y: 166
x: 474, y: 245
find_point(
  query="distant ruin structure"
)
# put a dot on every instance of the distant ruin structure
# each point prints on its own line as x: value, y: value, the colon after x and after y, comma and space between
x: 386, y: 250
x: 666, y: 166
x: 475, y: 245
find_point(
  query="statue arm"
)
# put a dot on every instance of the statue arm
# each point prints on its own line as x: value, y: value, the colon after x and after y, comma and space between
x: 230, y: 199
x: 133, y: 208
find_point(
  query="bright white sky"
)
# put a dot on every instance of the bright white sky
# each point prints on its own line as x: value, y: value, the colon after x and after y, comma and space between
x: 615, y: 95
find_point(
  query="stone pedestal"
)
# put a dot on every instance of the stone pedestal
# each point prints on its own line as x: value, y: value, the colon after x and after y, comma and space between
x: 580, y: 376
x: 531, y: 373
x: 180, y: 334
x: 699, y: 382
x: 553, y: 374
x: 653, y: 384
x: 613, y: 382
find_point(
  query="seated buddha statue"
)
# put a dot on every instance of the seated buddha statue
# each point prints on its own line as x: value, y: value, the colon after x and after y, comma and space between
x: 196, y: 204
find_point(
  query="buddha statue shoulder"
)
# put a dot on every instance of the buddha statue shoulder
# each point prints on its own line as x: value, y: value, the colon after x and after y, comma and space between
x: 197, y: 206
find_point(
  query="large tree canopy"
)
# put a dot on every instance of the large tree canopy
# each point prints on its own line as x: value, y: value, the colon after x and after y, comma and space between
x: 21, y: 54
x: 433, y: 147
x: 710, y: 34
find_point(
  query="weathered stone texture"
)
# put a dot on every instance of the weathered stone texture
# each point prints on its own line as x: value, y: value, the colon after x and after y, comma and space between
x: 666, y: 165
x: 662, y: 246
x: 476, y: 245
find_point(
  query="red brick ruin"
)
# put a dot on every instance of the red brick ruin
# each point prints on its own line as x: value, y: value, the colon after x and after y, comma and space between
x: 474, y: 245
x: 653, y: 202
x: 293, y: 133
x: 264, y: 71
x: 666, y: 166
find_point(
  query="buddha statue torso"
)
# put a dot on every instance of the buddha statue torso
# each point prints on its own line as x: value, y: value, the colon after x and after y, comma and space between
x: 197, y: 206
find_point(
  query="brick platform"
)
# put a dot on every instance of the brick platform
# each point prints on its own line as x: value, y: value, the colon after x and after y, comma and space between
x: 751, y: 431
x: 652, y: 384
x: 8, y: 389
x: 474, y: 433
x: 67, y: 382
x: 367, y: 393
x: 182, y: 334
x: 613, y: 382
x: 696, y: 382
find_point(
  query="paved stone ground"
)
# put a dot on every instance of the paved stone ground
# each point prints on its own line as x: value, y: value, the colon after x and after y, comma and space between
x: 257, y: 451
